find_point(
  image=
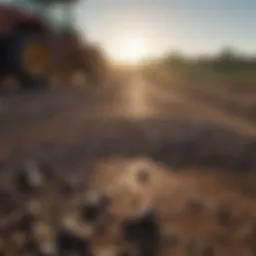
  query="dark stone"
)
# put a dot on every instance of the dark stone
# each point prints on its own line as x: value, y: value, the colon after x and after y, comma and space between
x: 29, y: 180
x: 92, y: 211
x: 69, y: 244
x: 143, y: 233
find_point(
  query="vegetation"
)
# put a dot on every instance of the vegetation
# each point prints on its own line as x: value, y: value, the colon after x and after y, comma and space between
x: 227, y: 62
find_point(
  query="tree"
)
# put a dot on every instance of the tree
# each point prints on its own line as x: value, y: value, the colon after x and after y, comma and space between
x: 226, y: 60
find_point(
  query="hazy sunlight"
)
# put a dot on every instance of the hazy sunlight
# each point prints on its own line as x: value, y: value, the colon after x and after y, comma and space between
x: 129, y: 50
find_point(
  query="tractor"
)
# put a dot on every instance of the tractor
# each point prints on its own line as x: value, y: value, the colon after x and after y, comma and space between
x: 40, y: 47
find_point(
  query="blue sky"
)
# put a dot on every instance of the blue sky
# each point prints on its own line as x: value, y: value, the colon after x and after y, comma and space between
x: 192, y: 26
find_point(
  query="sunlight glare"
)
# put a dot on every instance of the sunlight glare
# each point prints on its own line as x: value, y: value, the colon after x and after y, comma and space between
x: 131, y: 50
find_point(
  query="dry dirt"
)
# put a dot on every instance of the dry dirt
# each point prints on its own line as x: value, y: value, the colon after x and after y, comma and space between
x: 186, y: 162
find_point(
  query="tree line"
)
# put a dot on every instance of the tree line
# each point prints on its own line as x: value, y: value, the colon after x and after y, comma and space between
x: 226, y: 60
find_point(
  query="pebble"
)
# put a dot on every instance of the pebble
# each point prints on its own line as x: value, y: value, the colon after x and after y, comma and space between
x: 143, y: 233
x: 29, y: 179
x: 94, y: 208
x: 68, y: 244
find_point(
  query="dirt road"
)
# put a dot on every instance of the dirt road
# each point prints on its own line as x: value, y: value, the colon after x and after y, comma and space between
x: 145, y: 99
x: 69, y: 117
x: 143, y: 148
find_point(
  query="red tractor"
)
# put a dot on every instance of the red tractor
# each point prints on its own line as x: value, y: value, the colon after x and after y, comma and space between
x: 39, y: 45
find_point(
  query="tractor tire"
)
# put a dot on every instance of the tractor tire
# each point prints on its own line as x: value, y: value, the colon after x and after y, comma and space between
x: 27, y: 79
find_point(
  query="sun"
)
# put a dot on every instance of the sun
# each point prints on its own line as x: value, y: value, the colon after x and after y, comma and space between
x: 130, y: 50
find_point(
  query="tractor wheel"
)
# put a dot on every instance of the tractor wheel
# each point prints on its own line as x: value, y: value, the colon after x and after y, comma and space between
x: 29, y: 57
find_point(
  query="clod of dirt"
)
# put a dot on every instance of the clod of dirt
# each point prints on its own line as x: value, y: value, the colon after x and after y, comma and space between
x: 223, y: 216
x: 29, y: 179
x: 67, y: 188
x: 208, y: 251
x: 247, y: 158
x: 26, y: 223
x: 189, y: 247
x: 250, y: 232
x: 2, y: 166
x: 143, y: 177
x: 194, y: 205
x: 69, y: 244
x: 143, y: 233
x: 7, y: 202
x: 48, y: 171
x: 171, y: 239
x: 94, y: 208
x: 32, y: 248
x: 35, y: 208
x: 126, y: 253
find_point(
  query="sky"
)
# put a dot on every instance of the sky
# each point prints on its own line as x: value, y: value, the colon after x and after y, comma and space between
x: 158, y: 26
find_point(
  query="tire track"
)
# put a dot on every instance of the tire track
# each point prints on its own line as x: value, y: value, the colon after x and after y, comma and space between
x: 217, y: 114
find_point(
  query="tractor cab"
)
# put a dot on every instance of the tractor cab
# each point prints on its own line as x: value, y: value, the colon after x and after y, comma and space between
x: 58, y: 15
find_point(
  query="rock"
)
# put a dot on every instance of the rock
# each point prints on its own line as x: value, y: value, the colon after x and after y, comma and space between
x: 94, y: 208
x: 69, y: 244
x: 143, y: 233
x: 29, y: 179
